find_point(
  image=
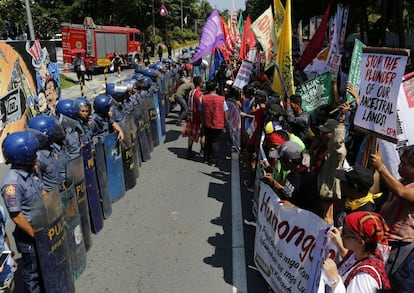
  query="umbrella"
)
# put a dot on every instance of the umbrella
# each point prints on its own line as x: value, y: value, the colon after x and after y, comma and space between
x: 77, y: 50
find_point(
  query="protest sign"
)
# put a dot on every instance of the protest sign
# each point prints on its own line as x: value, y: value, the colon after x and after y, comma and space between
x: 334, y: 62
x: 355, y: 68
x: 285, y: 242
x: 406, y: 111
x: 234, y: 122
x: 264, y: 30
x: 243, y: 75
x: 316, y: 92
x: 381, y: 74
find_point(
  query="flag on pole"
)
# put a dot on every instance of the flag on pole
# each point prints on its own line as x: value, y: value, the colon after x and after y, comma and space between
x: 279, y: 12
x: 163, y: 10
x: 248, y: 39
x: 315, y: 44
x: 264, y: 30
x: 216, y: 60
x: 211, y: 36
x: 227, y: 47
x: 284, y: 58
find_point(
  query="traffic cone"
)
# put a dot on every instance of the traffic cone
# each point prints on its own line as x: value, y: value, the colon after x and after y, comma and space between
x: 66, y: 70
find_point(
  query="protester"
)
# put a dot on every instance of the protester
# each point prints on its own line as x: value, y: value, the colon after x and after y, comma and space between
x: 355, y: 184
x: 192, y: 127
x: 362, y: 267
x: 180, y: 96
x: 214, y: 116
x: 298, y: 119
x: 117, y: 61
x: 398, y: 212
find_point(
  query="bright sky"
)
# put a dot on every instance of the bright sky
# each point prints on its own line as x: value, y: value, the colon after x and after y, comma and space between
x: 228, y: 4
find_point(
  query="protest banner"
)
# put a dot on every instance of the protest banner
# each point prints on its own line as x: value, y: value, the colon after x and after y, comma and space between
x: 316, y: 92
x: 382, y: 70
x: 264, y: 30
x: 355, y: 68
x: 406, y: 111
x: 334, y: 62
x: 243, y: 75
x: 285, y: 244
x: 234, y: 122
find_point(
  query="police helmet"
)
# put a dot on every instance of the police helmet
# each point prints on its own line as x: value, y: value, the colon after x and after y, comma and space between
x: 150, y: 72
x: 192, y: 48
x: 83, y: 102
x: 166, y: 60
x: 130, y: 83
x: 184, y: 50
x: 116, y: 90
x: 48, y: 126
x: 68, y: 107
x: 20, y: 148
x: 101, y: 104
x: 146, y: 82
x: 139, y: 69
x: 138, y: 76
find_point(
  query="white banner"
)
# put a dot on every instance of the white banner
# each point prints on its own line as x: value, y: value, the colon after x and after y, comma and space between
x: 285, y: 244
x: 381, y: 76
x: 264, y: 30
x: 243, y: 75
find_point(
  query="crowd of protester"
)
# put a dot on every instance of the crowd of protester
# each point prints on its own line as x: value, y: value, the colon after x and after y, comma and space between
x: 313, y: 161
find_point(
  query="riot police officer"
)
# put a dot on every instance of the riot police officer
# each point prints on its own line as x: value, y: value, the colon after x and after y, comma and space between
x: 84, y: 117
x: 20, y: 190
x: 51, y: 159
x: 73, y: 130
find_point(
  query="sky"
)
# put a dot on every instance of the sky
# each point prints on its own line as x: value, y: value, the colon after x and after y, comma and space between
x: 228, y: 4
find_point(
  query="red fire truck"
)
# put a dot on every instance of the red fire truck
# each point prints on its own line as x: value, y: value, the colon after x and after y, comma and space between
x: 99, y: 43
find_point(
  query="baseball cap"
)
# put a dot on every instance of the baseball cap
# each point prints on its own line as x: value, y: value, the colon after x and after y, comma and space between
x: 272, y: 126
x: 360, y: 177
x: 328, y: 126
x: 290, y: 150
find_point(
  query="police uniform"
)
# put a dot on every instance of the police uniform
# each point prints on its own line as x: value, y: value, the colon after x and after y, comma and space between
x: 20, y: 189
x: 7, y: 275
x: 72, y: 142
x: 51, y: 166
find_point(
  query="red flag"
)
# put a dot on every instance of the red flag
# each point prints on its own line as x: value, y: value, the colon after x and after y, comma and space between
x: 316, y: 43
x: 228, y: 45
x: 248, y: 39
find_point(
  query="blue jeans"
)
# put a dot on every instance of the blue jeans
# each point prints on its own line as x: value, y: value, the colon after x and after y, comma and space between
x: 184, y: 108
x: 32, y: 279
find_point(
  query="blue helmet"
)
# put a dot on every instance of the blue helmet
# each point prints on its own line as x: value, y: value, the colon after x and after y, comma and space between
x: 20, y: 148
x: 101, y: 104
x: 138, y: 76
x: 116, y: 90
x: 147, y: 82
x: 48, y: 126
x: 184, y: 50
x: 139, y: 69
x: 150, y: 72
x: 83, y: 102
x: 68, y: 108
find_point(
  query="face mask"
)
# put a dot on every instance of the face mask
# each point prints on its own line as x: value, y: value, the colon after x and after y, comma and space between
x: 273, y: 154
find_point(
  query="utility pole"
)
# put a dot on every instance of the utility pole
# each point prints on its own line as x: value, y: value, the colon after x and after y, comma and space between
x: 30, y: 21
x: 182, y: 15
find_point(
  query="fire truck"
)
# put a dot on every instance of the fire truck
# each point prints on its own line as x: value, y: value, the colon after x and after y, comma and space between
x: 98, y: 43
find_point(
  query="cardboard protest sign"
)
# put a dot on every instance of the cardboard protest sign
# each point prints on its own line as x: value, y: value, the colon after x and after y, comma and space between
x: 355, y: 68
x: 316, y: 92
x: 381, y: 74
x: 285, y: 243
x: 243, y: 75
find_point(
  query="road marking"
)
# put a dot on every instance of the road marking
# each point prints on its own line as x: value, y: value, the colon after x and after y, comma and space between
x: 239, y: 263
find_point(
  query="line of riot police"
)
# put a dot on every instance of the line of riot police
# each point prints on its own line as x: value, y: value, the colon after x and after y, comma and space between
x: 66, y: 171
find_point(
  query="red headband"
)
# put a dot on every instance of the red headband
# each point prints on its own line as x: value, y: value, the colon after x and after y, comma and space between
x: 276, y: 139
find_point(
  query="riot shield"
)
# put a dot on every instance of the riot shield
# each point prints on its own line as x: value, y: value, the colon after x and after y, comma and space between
x: 114, y: 167
x: 92, y: 189
x: 161, y: 106
x: 51, y: 243
x: 152, y: 112
x: 75, y: 175
x: 157, y: 118
x: 134, y: 143
x: 128, y: 158
x: 147, y: 121
x: 77, y: 250
x: 142, y: 135
x: 102, y: 179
